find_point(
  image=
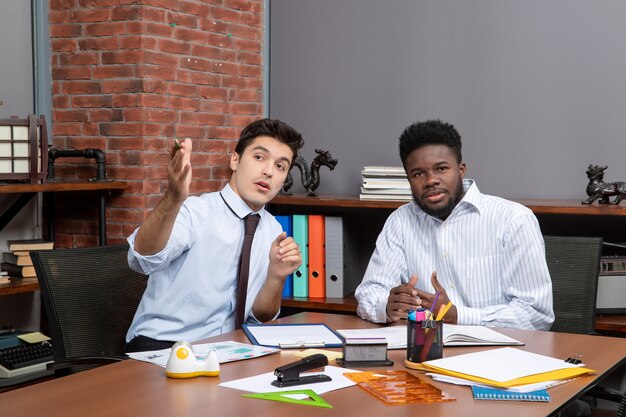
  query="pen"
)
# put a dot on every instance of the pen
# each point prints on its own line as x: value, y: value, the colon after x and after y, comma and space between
x: 443, y: 310
x: 301, y: 344
x: 432, y: 307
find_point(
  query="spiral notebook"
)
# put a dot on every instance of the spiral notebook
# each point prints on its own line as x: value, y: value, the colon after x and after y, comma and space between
x: 498, y: 394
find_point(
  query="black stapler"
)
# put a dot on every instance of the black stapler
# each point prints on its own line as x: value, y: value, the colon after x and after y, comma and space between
x: 290, y: 374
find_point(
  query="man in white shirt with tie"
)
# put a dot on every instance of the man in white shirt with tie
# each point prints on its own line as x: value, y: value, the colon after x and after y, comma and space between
x: 483, y: 253
x: 190, y: 246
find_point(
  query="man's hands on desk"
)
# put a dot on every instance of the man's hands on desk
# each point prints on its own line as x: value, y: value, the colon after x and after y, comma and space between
x: 406, y: 298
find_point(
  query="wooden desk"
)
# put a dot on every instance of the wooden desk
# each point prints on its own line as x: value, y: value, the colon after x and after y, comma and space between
x: 132, y: 388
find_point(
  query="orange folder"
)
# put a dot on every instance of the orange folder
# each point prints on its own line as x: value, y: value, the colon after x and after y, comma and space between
x: 317, y: 255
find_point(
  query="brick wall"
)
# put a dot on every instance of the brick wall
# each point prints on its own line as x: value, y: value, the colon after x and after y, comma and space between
x: 131, y: 75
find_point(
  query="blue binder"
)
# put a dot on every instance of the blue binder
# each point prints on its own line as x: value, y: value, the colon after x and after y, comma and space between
x: 286, y: 223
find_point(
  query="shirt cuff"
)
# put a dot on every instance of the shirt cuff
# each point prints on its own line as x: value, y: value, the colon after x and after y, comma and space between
x: 468, y: 316
x: 381, y: 312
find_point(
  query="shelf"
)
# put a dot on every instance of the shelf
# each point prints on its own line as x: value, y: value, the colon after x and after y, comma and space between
x: 53, y: 186
x: 538, y: 206
x: 16, y: 287
x: 347, y: 304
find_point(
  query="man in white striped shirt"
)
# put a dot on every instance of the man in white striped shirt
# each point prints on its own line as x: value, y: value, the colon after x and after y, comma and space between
x: 484, y: 253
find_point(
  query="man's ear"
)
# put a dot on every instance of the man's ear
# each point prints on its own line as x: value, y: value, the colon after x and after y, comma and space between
x: 462, y: 169
x: 234, y: 161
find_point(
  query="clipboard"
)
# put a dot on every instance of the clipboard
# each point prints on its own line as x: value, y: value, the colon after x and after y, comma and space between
x: 292, y: 336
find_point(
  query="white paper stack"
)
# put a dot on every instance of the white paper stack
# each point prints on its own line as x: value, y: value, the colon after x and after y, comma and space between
x: 385, y: 183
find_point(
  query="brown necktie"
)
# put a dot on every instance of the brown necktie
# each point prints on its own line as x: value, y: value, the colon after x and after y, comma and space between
x: 251, y: 222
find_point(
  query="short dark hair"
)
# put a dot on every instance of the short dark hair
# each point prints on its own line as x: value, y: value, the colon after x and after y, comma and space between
x: 273, y: 128
x: 430, y: 132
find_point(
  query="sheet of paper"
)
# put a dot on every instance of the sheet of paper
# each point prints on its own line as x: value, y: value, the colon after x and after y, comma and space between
x: 263, y: 382
x: 520, y: 388
x: 464, y: 335
x: 501, y: 364
x: 293, y: 335
x: 395, y: 335
x: 226, y: 352
x: 34, y: 337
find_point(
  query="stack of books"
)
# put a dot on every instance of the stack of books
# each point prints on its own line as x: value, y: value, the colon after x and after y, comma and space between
x: 385, y: 183
x: 17, y: 262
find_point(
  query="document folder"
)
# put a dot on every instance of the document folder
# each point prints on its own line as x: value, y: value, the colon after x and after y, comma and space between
x: 301, y: 236
x: 317, y: 269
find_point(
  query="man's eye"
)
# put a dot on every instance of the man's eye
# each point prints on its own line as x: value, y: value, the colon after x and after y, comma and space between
x: 280, y: 166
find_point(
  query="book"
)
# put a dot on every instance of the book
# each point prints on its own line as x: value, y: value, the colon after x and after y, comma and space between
x: 404, y: 191
x: 20, y: 260
x: 463, y: 335
x: 29, y: 244
x: 18, y: 271
x: 383, y: 171
x: 453, y: 335
x: 499, y: 394
x: 392, y: 197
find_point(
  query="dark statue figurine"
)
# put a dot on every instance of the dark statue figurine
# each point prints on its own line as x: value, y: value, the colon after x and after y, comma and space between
x: 598, y: 189
x: 310, y: 178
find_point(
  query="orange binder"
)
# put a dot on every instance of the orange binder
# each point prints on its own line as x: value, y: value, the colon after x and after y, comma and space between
x: 317, y: 255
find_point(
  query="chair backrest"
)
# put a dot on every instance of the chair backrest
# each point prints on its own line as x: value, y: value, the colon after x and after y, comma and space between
x: 574, y: 264
x: 90, y: 296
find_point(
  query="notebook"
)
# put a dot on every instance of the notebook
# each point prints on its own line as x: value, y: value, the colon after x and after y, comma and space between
x: 497, y: 394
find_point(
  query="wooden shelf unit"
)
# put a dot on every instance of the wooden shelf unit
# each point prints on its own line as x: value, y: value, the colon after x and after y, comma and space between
x: 572, y: 213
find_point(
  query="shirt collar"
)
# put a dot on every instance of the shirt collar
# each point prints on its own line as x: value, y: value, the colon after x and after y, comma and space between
x: 236, y: 204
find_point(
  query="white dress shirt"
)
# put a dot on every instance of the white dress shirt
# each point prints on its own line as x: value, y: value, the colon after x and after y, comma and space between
x: 191, y: 291
x: 489, y: 256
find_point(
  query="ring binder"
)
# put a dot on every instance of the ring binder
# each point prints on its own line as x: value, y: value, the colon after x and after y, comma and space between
x: 497, y: 394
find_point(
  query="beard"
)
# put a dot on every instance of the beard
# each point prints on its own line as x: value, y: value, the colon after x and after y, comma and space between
x: 443, y: 212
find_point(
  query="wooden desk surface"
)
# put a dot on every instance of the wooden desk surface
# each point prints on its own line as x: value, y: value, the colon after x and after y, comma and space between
x: 132, y: 388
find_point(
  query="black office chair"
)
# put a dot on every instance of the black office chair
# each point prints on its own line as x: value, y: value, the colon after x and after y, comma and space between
x: 574, y: 264
x: 90, y: 296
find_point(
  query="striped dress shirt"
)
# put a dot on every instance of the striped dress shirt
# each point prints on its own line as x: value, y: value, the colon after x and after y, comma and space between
x: 489, y: 256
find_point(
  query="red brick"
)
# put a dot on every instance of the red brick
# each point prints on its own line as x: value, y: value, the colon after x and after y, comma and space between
x: 121, y: 57
x: 105, y: 29
x: 135, y: 28
x: 190, y: 35
x: 122, y: 86
x: 219, y: 107
x: 71, y: 116
x: 184, y: 103
x: 211, y: 52
x: 91, y: 129
x: 65, y: 31
x: 58, y: 16
x: 179, y: 19
x: 91, y: 101
x: 205, y: 79
x: 250, y: 71
x: 186, y: 90
x: 98, y: 3
x: 98, y: 44
x: 194, y: 7
x: 86, y: 142
x: 227, y: 15
x: 165, y: 116
x: 106, y: 115
x: 125, y: 13
x: 152, y: 14
x: 90, y: 15
x: 134, y: 143
x: 224, y: 68
x: 190, y: 131
x: 245, y: 32
x: 64, y: 45
x: 250, y: 58
x: 244, y: 108
x: 211, y: 25
x: 74, y: 73
x: 128, y: 100
x: 68, y: 129
x: 80, y: 58
x: 134, y: 114
x: 240, y: 82
x: 151, y: 100
x: 159, y: 29
x: 248, y: 45
x: 175, y: 47
x: 61, y: 102
x: 157, y: 72
x: 158, y: 58
x: 120, y: 129
x: 221, y: 40
x: 155, y: 86
x: 134, y: 42
x: 210, y: 145
x: 222, y: 132
x: 81, y: 87
x: 248, y: 95
x: 115, y: 71
x: 166, y: 4
x: 152, y: 129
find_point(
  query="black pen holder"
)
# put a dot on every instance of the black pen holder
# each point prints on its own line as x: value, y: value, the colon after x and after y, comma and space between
x: 424, y: 341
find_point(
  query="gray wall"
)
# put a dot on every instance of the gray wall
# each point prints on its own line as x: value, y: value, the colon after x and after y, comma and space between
x: 536, y: 88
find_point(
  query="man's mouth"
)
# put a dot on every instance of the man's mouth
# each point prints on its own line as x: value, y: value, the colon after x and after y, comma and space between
x: 263, y: 185
x: 434, y: 196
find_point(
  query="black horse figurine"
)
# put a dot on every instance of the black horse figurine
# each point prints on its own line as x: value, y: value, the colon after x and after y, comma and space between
x: 310, y: 178
x: 598, y: 189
